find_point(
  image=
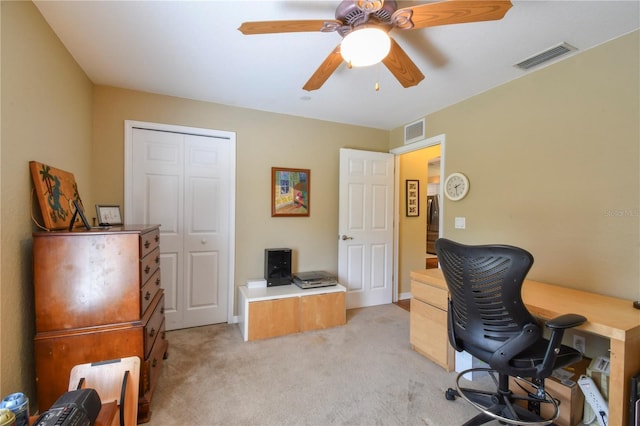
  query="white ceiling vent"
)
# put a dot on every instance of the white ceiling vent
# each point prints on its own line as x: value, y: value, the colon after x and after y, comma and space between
x: 414, y: 132
x: 546, y: 56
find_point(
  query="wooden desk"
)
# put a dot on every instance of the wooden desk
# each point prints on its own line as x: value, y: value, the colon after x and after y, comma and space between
x: 609, y: 317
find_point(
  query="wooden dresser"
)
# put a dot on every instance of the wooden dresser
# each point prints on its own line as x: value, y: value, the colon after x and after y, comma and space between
x: 98, y: 297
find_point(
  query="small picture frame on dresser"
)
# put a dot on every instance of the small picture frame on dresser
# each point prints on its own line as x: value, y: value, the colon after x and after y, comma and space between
x: 108, y: 215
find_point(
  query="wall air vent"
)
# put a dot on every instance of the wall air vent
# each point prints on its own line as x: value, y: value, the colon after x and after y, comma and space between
x: 414, y: 132
x: 546, y: 56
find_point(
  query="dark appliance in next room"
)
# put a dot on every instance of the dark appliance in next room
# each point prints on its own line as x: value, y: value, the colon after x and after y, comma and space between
x: 433, y: 222
x: 277, y: 266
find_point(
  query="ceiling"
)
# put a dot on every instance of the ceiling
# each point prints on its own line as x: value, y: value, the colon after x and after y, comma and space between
x: 192, y: 49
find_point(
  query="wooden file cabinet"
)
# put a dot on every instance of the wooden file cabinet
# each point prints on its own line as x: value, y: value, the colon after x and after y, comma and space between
x: 276, y: 311
x: 97, y: 297
x: 428, y: 320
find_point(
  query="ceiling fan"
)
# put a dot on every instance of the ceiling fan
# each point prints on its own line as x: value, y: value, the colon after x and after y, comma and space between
x: 356, y: 17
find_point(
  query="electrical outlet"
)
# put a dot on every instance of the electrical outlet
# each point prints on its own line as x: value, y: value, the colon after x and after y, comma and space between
x: 579, y: 343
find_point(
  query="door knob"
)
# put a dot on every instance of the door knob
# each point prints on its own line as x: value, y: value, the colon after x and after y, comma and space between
x: 344, y: 238
x: 203, y: 241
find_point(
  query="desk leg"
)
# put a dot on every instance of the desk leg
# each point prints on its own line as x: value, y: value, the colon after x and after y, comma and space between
x: 625, y: 362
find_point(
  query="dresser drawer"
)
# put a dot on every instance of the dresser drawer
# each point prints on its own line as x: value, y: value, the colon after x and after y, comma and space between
x: 154, y: 362
x: 149, y: 241
x: 56, y: 353
x: 429, y: 294
x: 152, y: 327
x: 149, y: 265
x: 148, y: 291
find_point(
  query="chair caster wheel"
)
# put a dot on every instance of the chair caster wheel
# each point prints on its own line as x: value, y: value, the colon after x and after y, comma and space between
x: 450, y: 394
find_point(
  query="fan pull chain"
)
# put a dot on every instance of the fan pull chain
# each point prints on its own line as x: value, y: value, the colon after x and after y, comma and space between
x: 377, y: 86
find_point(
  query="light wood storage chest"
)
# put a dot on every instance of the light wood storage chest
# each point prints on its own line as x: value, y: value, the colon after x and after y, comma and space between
x: 428, y: 318
x: 286, y: 309
x: 98, y: 297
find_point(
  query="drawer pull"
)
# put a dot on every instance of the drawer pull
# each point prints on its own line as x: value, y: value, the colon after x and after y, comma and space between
x: 162, y: 310
x: 147, y: 244
x: 157, y: 259
x: 147, y: 296
x: 158, y: 281
x: 147, y: 269
x: 154, y: 363
x: 152, y: 332
x: 157, y: 238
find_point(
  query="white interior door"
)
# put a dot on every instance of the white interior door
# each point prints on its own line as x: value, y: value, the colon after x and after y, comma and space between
x: 365, y: 248
x: 184, y: 183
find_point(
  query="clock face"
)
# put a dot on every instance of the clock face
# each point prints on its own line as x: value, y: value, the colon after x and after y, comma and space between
x: 456, y: 186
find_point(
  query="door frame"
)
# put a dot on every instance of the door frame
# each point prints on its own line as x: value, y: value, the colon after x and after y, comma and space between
x: 425, y: 143
x: 129, y: 125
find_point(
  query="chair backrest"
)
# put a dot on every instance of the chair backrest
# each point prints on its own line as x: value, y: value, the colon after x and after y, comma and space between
x: 485, y: 307
x: 114, y: 380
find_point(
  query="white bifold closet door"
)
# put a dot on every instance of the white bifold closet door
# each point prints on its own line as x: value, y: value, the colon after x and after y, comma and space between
x: 183, y: 182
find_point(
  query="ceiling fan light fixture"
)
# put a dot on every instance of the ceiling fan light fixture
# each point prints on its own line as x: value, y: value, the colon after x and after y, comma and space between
x: 365, y: 46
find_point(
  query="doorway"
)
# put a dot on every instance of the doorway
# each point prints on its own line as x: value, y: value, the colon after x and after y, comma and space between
x: 184, y: 179
x: 411, y: 162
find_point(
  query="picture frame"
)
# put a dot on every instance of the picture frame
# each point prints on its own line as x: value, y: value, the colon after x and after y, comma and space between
x: 78, y: 212
x: 108, y: 215
x: 57, y: 192
x: 290, y: 192
x: 412, y: 197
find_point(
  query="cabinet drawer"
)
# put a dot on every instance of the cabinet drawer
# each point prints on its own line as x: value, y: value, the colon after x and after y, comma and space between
x: 57, y: 353
x: 322, y: 311
x: 427, y: 293
x: 153, y: 363
x: 149, y: 265
x: 152, y: 327
x: 148, y: 291
x: 270, y: 318
x: 149, y: 241
x: 428, y: 333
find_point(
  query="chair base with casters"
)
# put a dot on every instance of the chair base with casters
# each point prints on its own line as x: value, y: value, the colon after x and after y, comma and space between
x: 501, y: 403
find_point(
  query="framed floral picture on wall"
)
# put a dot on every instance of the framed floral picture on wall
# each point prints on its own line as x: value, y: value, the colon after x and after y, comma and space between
x: 290, y: 192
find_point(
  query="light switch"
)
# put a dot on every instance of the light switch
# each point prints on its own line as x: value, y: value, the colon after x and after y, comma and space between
x: 460, y: 222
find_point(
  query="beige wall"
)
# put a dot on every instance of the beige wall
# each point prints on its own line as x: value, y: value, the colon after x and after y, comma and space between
x: 412, y: 232
x: 46, y: 116
x: 553, y: 161
x: 263, y: 140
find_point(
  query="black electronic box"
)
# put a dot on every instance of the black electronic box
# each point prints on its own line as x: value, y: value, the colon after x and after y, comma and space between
x: 277, y: 266
x: 75, y: 408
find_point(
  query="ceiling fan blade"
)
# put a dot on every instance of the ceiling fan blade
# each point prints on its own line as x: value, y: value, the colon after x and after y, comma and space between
x: 450, y: 12
x: 271, y: 27
x: 325, y: 70
x: 402, y: 67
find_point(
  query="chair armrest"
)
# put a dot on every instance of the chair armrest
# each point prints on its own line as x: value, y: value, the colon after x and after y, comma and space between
x: 557, y: 325
x: 566, y: 321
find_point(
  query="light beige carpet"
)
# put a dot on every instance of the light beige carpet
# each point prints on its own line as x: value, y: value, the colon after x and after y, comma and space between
x: 363, y: 373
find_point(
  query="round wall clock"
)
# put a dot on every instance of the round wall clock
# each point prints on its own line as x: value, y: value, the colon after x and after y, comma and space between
x: 456, y: 186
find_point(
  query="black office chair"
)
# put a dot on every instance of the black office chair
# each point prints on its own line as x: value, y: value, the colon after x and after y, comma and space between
x: 488, y: 319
